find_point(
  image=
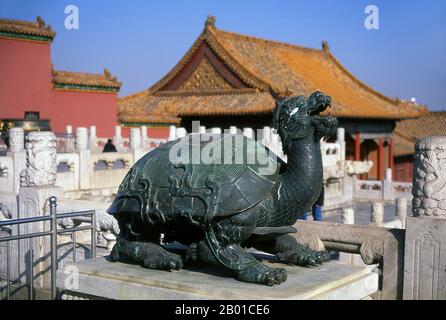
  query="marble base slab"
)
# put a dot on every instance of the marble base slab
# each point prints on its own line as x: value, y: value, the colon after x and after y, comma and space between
x: 101, y: 278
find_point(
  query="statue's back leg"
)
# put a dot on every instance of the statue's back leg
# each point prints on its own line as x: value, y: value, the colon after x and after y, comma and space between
x: 144, y: 249
x: 223, y: 249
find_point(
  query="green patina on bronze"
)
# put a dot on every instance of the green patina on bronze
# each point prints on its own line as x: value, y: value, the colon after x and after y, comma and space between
x: 219, y: 194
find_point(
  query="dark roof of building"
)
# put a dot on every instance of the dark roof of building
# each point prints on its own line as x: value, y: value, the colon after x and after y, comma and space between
x: 408, y: 131
x: 37, y: 30
x: 273, y: 68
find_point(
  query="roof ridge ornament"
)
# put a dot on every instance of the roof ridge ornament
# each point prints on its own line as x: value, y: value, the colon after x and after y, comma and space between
x: 42, y: 24
x: 108, y: 75
x: 210, y: 21
x: 325, y: 46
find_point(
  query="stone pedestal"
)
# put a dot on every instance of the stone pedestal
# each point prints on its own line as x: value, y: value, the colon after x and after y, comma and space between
x: 33, y: 202
x: 425, y: 259
x: 100, y: 278
x: 425, y: 249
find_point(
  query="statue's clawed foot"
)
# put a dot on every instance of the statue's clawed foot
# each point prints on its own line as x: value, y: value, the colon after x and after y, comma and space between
x: 262, y: 274
x: 159, y: 258
x: 303, y: 256
x: 149, y: 255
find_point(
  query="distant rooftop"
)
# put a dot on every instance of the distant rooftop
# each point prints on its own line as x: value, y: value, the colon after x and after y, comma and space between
x: 264, y: 69
x: 37, y: 30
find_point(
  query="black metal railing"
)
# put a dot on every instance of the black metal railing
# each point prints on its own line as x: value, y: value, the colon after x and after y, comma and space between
x: 52, y: 233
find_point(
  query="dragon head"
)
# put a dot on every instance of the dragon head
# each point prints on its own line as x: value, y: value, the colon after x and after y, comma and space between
x: 297, y: 117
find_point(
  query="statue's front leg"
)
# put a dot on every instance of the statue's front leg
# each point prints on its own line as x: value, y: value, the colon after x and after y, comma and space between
x: 222, y: 248
x: 288, y: 250
x: 245, y: 266
x: 150, y: 255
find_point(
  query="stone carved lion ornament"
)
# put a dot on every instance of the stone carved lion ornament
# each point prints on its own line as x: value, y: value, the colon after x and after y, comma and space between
x: 218, y: 209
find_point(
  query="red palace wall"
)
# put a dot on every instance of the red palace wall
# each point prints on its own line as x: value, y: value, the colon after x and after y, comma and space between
x: 25, y: 78
x: 84, y: 109
x: 26, y: 85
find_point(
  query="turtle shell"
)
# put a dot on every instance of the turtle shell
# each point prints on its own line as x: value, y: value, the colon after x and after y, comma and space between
x: 181, y: 173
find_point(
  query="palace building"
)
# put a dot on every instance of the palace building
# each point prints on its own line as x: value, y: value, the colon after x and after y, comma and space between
x: 29, y: 83
x: 228, y: 79
x: 406, y: 134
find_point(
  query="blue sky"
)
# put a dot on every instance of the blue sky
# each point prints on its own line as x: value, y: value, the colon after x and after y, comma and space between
x: 139, y: 41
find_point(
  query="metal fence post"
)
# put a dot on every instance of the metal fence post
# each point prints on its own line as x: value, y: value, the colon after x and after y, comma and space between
x: 8, y: 270
x: 93, y: 235
x: 31, y: 272
x: 53, y: 212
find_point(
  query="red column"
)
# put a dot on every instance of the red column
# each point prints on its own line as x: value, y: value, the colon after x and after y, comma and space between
x: 357, y: 146
x: 381, y: 159
x: 391, y: 154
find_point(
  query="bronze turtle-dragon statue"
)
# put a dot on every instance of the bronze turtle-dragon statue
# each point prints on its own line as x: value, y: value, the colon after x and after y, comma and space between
x: 222, y: 203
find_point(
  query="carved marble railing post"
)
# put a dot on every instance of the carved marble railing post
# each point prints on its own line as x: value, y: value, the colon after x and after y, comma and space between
x: 92, y: 139
x: 40, y: 160
x: 69, y: 141
x: 202, y: 129
x: 144, y: 138
x: 348, y: 216
x: 340, y: 138
x: 135, y: 138
x: 425, y: 249
x: 81, y: 138
x: 16, y: 139
x: 401, y: 210
x: 377, y: 213
x: 266, y: 139
x: 37, y: 185
x: 249, y: 133
x: 232, y: 130
x: 84, y: 157
x: 388, y: 193
x: 216, y: 130
x: 172, y: 133
x: 117, y: 139
x: 17, y: 153
x: 135, y: 143
x: 274, y: 143
x: 180, y: 132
